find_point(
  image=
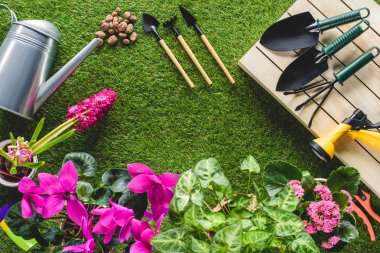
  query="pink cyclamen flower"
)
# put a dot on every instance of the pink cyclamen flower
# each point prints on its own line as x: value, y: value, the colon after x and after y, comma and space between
x: 111, y: 219
x: 325, y: 216
x: 331, y: 242
x: 297, y: 187
x: 142, y: 233
x: 350, y: 204
x: 30, y: 198
x: 89, y: 246
x: 62, y: 189
x: 90, y: 110
x: 324, y: 192
x: 159, y: 188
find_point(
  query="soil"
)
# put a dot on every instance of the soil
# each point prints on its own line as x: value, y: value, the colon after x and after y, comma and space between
x: 5, y: 166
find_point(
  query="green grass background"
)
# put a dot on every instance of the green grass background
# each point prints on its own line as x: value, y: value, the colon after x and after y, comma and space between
x: 157, y: 120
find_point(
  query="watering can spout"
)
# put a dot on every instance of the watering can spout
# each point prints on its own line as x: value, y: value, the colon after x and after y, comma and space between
x: 47, y: 88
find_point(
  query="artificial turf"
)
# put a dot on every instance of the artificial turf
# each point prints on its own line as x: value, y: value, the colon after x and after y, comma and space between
x: 157, y: 119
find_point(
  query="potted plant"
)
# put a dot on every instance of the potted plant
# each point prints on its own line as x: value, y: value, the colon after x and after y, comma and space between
x: 270, y: 216
x: 19, y: 156
x: 67, y: 213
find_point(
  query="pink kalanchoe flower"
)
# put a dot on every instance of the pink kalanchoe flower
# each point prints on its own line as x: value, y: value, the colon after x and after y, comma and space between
x: 297, y: 187
x: 159, y: 188
x: 30, y: 198
x: 90, y: 110
x: 325, y: 216
x: 90, y: 245
x: 324, y: 192
x: 111, y: 219
x: 62, y: 189
x: 331, y: 242
x: 350, y: 204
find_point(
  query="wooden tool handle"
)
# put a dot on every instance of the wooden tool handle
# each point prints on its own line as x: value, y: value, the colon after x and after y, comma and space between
x: 217, y: 58
x: 176, y: 63
x: 194, y: 59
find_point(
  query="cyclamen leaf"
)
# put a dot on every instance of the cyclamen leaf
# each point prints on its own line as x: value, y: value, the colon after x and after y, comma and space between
x: 84, y: 191
x: 171, y: 241
x: 344, y: 178
x: 285, y: 200
x: 209, y: 172
x: 54, y: 235
x: 257, y: 240
x: 116, y: 179
x: 83, y: 162
x: 347, y: 232
x: 191, y: 217
x: 199, y: 246
x: 188, y: 189
x: 212, y: 221
x: 251, y: 165
x: 304, y: 243
x: 228, y: 239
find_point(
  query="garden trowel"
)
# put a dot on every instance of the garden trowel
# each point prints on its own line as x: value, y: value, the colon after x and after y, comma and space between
x: 313, y: 62
x: 150, y: 25
x: 302, y: 30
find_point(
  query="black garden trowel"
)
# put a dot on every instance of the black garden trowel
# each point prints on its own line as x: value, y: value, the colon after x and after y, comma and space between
x: 302, y: 30
x: 313, y: 62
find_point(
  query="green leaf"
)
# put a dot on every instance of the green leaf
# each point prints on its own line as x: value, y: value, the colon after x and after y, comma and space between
x: 261, y: 193
x: 37, y: 131
x: 116, y: 179
x: 54, y: 235
x: 31, y: 165
x: 347, y: 231
x: 54, y: 142
x: 277, y: 245
x: 171, y: 241
x: 199, y: 246
x: 304, y: 243
x: 260, y: 220
x: 286, y: 223
x: 228, y: 239
x: 101, y: 195
x: 13, y: 139
x: 84, y: 191
x: 176, y: 216
x: 251, y: 165
x: 212, y: 221
x: 344, y: 178
x: 257, y: 240
x: 240, y: 201
x: 341, y: 199
x: 308, y: 184
x: 210, y: 173
x: 188, y: 189
x: 285, y: 200
x: 191, y: 217
x: 137, y: 202
x: 277, y: 174
x: 84, y: 163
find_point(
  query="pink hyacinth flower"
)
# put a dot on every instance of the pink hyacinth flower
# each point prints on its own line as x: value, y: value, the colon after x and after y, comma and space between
x: 111, y: 219
x: 30, y: 198
x: 90, y: 245
x: 158, y: 187
x: 90, y: 110
x: 59, y: 190
x: 331, y: 242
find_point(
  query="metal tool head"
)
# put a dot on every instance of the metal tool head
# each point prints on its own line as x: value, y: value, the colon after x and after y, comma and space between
x: 301, y: 71
x: 150, y: 23
x: 291, y: 33
x: 170, y: 23
x: 190, y: 19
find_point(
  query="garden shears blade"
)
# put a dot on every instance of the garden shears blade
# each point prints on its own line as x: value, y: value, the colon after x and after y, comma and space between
x: 302, y: 30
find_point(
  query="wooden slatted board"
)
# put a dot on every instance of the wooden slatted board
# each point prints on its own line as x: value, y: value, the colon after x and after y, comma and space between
x: 360, y: 91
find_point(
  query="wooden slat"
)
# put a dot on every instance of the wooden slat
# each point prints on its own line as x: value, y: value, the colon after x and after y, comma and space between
x: 266, y: 66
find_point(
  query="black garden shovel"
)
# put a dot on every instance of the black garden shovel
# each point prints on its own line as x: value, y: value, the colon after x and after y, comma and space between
x: 313, y: 62
x: 302, y: 30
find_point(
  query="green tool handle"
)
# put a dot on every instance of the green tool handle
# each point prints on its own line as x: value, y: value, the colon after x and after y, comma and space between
x: 357, y: 64
x: 342, y: 19
x: 346, y: 38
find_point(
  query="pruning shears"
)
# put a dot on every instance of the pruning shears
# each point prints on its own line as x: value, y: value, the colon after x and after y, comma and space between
x: 364, y: 199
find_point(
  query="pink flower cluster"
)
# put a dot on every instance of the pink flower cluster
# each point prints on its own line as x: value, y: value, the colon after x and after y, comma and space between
x: 90, y: 110
x: 324, y: 192
x: 325, y: 216
x: 20, y: 151
x: 297, y: 187
x: 350, y: 204
x: 331, y: 242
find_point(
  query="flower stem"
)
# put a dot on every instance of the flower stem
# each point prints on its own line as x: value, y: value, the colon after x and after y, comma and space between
x: 322, y: 180
x: 249, y: 182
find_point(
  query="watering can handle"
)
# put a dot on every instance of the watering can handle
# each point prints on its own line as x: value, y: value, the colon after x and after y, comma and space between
x: 13, y: 15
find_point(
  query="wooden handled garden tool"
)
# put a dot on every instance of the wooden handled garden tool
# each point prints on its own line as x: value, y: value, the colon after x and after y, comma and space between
x: 150, y: 25
x: 313, y: 62
x: 356, y: 127
x: 302, y: 30
x: 171, y: 25
x: 340, y: 77
x: 191, y: 21
x: 364, y: 199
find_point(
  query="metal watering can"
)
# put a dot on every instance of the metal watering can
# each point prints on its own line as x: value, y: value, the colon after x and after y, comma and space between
x: 26, y: 58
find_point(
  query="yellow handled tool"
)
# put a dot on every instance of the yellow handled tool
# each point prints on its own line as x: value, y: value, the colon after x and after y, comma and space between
x: 19, y: 241
x: 355, y: 127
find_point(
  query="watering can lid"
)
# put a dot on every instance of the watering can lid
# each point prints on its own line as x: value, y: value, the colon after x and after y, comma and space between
x: 41, y: 26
